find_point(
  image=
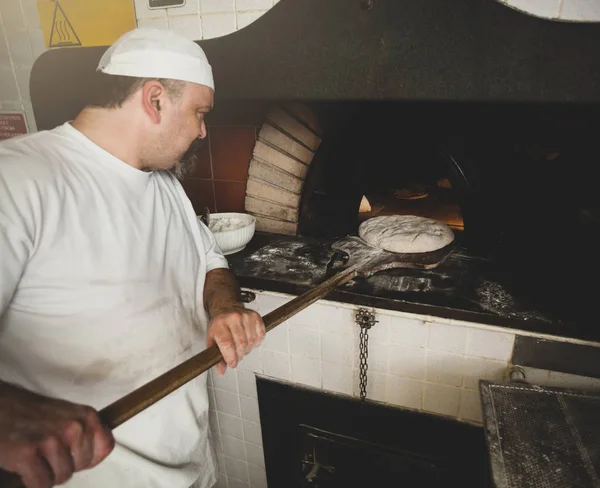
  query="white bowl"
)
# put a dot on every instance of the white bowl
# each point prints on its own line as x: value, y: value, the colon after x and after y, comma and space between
x: 232, y: 241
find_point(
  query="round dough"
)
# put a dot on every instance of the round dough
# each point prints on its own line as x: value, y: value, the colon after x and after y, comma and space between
x: 406, y: 233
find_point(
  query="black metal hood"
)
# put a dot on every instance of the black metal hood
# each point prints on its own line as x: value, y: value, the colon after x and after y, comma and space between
x: 460, y: 50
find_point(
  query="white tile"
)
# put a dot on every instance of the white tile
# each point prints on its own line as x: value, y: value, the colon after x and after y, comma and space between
x: 407, y: 361
x: 12, y: 15
x: 267, y: 303
x: 244, y: 19
x: 378, y: 356
x: 220, y: 464
x: 23, y: 75
x: 535, y: 376
x: 214, y: 6
x: 231, y: 426
x: 338, y: 348
x: 190, y: 7
x: 142, y: 12
x: 189, y: 26
x: 447, y: 338
x: 476, y: 369
x: 234, y: 448
x: 8, y: 85
x: 445, y: 368
x: 441, y: 399
x: 252, y: 432
x: 249, y: 407
x: 19, y: 47
x: 247, y: 384
x: 32, y: 17
x: 217, y: 442
x: 338, y: 320
x: 4, y: 56
x: 253, y: 5
x: 277, y: 339
x: 236, y: 469
x: 251, y: 362
x: 227, y: 402
x: 305, y: 343
x: 221, y: 481
x: 405, y: 392
x: 337, y: 378
x: 255, y: 454
x: 316, y: 317
x: 539, y: 8
x: 235, y: 483
x: 572, y: 381
x: 490, y: 344
x: 213, y: 422
x: 276, y: 365
x: 258, y: 476
x: 30, y: 117
x: 226, y: 382
x: 410, y: 332
x: 381, y: 330
x: 470, y: 406
x: 306, y: 371
x: 588, y: 10
x: 13, y: 106
x: 154, y: 23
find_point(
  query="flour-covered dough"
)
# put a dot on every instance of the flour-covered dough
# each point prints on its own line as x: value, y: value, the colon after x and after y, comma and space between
x: 406, y: 233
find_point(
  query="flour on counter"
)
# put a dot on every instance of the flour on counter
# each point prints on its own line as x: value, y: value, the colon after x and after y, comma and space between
x: 226, y: 223
x: 494, y: 298
x: 295, y: 262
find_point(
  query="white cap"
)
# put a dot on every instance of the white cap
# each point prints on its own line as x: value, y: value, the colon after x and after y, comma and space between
x: 154, y: 53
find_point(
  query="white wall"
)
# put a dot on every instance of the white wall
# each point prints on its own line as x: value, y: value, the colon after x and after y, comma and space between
x: 21, y: 38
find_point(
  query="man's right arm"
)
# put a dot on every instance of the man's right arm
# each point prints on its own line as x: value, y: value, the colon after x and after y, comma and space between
x: 44, y: 440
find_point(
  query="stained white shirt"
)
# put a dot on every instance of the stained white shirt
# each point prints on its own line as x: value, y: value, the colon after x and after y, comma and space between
x: 102, y: 272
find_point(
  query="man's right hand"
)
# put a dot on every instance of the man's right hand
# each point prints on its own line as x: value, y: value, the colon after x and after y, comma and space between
x: 45, y: 440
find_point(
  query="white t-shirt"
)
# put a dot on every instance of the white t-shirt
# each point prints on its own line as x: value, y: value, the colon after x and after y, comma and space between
x: 102, y: 271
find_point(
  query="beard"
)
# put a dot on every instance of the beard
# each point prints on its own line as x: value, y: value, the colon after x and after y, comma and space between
x: 187, y: 163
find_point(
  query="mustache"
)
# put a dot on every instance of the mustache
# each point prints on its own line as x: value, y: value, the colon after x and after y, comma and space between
x: 187, y: 162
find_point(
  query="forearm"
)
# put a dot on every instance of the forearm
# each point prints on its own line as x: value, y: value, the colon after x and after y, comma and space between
x: 221, y: 292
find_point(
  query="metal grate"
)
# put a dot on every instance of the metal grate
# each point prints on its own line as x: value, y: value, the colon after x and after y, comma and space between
x: 542, y: 437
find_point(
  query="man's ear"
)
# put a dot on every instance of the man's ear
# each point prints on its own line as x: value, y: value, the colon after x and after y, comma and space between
x: 153, y: 95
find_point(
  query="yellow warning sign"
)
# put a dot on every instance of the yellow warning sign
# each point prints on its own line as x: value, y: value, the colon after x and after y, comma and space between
x: 69, y: 23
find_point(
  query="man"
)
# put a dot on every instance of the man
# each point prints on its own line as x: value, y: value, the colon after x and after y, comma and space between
x: 107, y: 280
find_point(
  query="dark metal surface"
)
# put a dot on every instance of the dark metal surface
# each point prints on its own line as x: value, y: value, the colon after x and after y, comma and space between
x: 463, y: 50
x: 541, y: 437
x: 560, y: 356
x: 465, y: 287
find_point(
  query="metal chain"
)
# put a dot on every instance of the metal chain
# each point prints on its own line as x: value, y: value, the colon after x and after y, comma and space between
x: 365, y: 321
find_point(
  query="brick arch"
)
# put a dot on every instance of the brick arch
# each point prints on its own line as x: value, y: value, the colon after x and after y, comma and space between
x: 284, y: 150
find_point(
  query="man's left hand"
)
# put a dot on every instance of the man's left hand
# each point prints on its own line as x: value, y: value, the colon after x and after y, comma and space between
x: 236, y: 332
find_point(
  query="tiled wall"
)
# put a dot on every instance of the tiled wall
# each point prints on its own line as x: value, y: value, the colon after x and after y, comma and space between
x: 413, y: 363
x: 219, y: 180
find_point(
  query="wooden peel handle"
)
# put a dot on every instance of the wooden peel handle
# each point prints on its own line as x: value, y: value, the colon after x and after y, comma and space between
x: 138, y: 400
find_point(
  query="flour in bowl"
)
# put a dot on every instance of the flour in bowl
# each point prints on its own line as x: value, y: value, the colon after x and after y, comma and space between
x: 226, y: 223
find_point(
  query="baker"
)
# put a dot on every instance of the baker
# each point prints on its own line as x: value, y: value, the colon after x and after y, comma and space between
x: 108, y: 279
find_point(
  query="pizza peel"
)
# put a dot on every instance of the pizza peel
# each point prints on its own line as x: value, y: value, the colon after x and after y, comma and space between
x: 358, y: 258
